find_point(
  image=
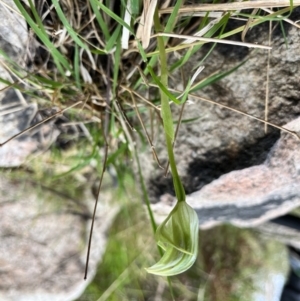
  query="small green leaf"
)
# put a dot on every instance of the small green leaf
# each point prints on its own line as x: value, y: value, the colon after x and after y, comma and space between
x: 161, y: 86
x: 59, y: 59
x: 178, y: 236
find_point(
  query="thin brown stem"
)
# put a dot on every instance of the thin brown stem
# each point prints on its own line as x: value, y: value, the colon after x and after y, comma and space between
x: 147, y: 135
x: 268, y: 79
x: 105, y: 130
x: 41, y: 122
x: 95, y: 207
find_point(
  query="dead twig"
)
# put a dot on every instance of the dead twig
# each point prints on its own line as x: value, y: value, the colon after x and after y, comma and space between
x: 41, y: 122
x: 231, y: 6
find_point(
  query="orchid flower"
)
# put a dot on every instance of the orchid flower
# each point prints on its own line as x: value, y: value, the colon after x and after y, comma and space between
x: 178, y: 236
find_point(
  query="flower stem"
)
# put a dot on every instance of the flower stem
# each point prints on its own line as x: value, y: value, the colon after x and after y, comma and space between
x: 167, y: 115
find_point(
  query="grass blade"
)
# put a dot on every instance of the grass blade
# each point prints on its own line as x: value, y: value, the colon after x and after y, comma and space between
x: 59, y: 59
x: 214, y: 78
x: 67, y: 25
x: 115, y: 17
x: 116, y: 66
x: 162, y: 87
x: 100, y: 20
x: 113, y: 38
x: 77, y: 67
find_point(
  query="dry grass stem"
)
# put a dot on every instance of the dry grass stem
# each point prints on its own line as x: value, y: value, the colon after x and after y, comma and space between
x: 231, y: 6
x: 126, y: 33
x: 96, y: 204
x: 203, y: 31
x: 145, y: 25
x: 247, y: 26
x: 122, y: 112
x: 11, y: 9
x: 268, y: 79
x: 249, y: 45
x: 41, y: 122
x: 147, y: 135
x: 124, y: 127
x: 280, y: 16
x: 248, y: 115
x: 141, y: 97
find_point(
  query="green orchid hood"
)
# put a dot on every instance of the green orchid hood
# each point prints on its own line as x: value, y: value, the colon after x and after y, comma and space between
x: 178, y: 236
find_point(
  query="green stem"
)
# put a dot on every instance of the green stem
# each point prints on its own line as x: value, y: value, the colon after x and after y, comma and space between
x: 167, y: 115
x: 179, y: 189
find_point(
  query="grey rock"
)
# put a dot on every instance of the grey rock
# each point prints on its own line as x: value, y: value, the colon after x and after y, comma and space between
x: 44, y: 239
x: 254, y: 195
x: 15, y: 117
x: 283, y: 234
x: 13, y: 31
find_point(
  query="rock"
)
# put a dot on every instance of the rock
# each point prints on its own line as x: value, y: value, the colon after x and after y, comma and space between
x: 254, y: 195
x: 257, y: 193
x: 44, y: 239
x: 16, y: 117
x: 13, y: 32
x: 284, y: 234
